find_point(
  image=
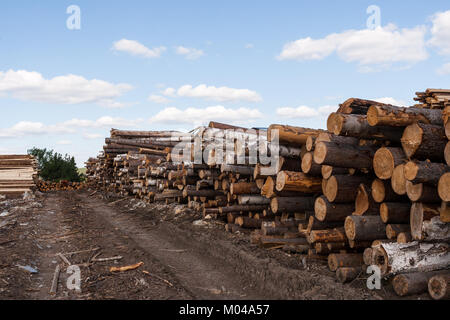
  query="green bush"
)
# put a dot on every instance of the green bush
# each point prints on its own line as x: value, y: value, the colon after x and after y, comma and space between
x: 54, y: 166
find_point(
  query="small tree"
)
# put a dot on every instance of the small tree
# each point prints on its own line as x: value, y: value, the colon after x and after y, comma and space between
x: 54, y: 166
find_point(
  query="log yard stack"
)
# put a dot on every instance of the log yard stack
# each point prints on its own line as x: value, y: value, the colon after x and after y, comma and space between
x: 18, y: 174
x: 371, y: 190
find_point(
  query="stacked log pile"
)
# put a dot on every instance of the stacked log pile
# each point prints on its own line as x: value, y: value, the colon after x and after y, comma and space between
x: 372, y: 189
x: 18, y: 174
x: 46, y: 186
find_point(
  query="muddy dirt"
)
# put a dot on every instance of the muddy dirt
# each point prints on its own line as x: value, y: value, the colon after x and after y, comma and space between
x: 183, y: 256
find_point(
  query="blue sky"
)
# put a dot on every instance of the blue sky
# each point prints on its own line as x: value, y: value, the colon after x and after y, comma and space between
x: 154, y: 65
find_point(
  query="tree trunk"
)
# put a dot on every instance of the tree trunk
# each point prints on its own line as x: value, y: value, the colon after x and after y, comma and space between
x: 331, y: 212
x: 297, y: 181
x: 439, y: 287
x: 364, y: 203
x: 393, y: 230
x: 412, y: 283
x: 341, y: 189
x: 365, y: 228
x: 253, y: 199
x: 424, y: 141
x: 329, y: 235
x: 339, y: 260
x: 309, y: 166
x: 328, y: 171
x: 394, y: 258
x: 444, y: 187
x: 398, y: 180
x: 347, y: 274
x: 342, y: 155
x: 404, y: 237
x: 242, y: 208
x: 385, y: 160
x: 402, y: 116
x: 421, y: 192
x: 291, y: 135
x: 395, y: 212
x: 291, y: 204
x: 244, y: 188
x: 382, y: 192
x: 425, y: 172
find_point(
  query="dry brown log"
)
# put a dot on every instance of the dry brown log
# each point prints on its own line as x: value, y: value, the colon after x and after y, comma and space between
x: 309, y: 166
x: 385, y: 160
x: 447, y: 153
x: 314, y: 224
x: 412, y: 283
x: 291, y: 135
x: 404, y: 237
x: 393, y: 230
x: 368, y: 256
x: 244, y: 188
x: 364, y: 228
x: 393, y: 116
x: 382, y: 192
x: 201, y: 193
x: 291, y: 204
x: 241, y: 169
x: 268, y: 189
x: 297, y: 181
x: 327, y: 211
x: 398, y: 180
x: 424, y: 141
x: 342, y: 155
x: 394, y: 258
x: 268, y: 241
x: 421, y: 192
x: 342, y: 188
x: 328, y: 171
x: 246, y: 222
x: 355, y: 125
x: 444, y: 212
x: 425, y: 172
x: 357, y: 106
x: 364, y: 203
x: 347, y: 274
x: 439, y: 287
x: 444, y: 187
x: 426, y: 224
x: 339, y: 260
x: 242, y: 208
x: 395, y: 212
x: 253, y: 199
x: 327, y: 235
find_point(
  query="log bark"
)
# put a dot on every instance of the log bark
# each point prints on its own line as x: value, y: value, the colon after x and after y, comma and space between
x: 412, y: 283
x: 424, y: 141
x: 355, y: 125
x: 426, y: 224
x: 328, y: 235
x: 447, y: 153
x: 253, y: 199
x: 425, y: 172
x: 342, y: 155
x: 341, y: 189
x: 395, y: 212
x: 347, y: 274
x: 386, y: 115
x: 244, y: 188
x: 421, y: 192
x: 385, y: 160
x: 291, y: 204
x: 404, y: 237
x: 395, y: 258
x: 382, y: 192
x: 242, y: 208
x: 297, y: 181
x: 365, y: 228
x: 291, y: 135
x: 364, y: 203
x: 331, y: 212
x: 357, y: 106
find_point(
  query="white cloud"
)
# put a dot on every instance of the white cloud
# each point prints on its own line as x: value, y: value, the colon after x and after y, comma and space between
x: 158, y: 99
x: 445, y: 69
x: 64, y: 142
x: 189, y: 53
x: 136, y: 48
x: 249, y: 46
x: 199, y: 116
x: 440, y: 32
x: 214, y: 93
x: 381, y: 46
x: 390, y: 100
x: 92, y: 136
x: 305, y: 111
x: 68, y: 89
x: 24, y: 128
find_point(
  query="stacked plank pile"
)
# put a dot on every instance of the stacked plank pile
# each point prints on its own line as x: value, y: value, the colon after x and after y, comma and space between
x: 433, y: 99
x: 371, y: 190
x: 18, y: 174
x: 47, y: 186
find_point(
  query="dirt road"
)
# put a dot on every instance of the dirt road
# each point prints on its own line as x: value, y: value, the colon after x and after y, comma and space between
x: 183, y: 257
